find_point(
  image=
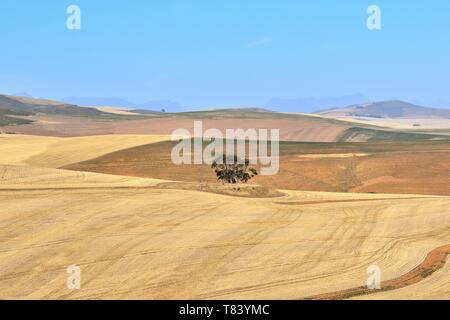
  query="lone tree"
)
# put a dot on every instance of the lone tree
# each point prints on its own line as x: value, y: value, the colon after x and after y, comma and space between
x: 233, y: 170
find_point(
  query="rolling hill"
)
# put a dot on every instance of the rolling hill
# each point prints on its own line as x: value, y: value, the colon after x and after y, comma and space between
x: 386, y: 109
x: 25, y: 106
x: 53, y: 119
x: 25, y: 115
x: 141, y: 238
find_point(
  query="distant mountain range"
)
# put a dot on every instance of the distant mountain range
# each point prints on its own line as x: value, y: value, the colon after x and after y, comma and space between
x: 386, y: 109
x: 25, y: 106
x: 313, y: 104
x: 18, y: 112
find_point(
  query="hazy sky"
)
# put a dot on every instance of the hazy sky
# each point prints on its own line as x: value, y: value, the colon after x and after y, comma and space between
x: 226, y: 53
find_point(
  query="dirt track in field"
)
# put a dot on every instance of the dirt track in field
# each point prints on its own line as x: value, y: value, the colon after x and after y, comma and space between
x: 434, y: 261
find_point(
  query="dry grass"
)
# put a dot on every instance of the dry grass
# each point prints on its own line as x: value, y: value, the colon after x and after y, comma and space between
x: 30, y: 178
x: 115, y: 110
x: 402, y: 123
x: 138, y: 238
x: 53, y: 152
x: 150, y: 243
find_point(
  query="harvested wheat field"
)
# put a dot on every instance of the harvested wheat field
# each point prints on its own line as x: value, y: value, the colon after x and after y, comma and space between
x: 402, y: 123
x: 54, y: 152
x: 146, y: 243
x: 144, y: 238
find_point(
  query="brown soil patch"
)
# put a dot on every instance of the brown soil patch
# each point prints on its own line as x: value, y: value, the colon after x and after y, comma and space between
x: 389, y: 167
x: 332, y: 155
x: 434, y: 261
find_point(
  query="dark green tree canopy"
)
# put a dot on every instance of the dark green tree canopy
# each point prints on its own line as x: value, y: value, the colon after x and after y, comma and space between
x: 233, y: 169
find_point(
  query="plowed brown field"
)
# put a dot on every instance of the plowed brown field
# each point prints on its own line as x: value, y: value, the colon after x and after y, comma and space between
x: 381, y: 167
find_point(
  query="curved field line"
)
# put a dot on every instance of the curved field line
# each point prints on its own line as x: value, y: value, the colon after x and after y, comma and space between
x: 434, y: 261
x: 309, y: 202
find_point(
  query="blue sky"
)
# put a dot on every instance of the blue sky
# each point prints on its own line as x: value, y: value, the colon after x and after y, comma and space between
x: 208, y: 53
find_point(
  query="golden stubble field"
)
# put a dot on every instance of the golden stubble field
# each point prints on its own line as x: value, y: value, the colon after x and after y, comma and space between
x: 133, y: 238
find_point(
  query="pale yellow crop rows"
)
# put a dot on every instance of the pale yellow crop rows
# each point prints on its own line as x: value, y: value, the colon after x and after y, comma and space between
x: 165, y: 244
x: 134, y: 240
x: 23, y: 177
x: 115, y: 110
x: 50, y: 152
